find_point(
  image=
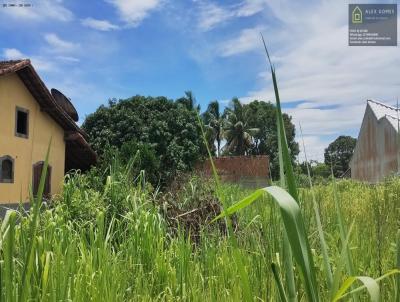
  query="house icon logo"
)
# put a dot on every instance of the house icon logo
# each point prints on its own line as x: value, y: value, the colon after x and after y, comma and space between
x: 356, y: 16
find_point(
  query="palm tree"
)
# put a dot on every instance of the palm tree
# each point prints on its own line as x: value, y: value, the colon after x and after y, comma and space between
x: 213, y: 121
x: 238, y: 134
x: 189, y: 101
x: 209, y: 132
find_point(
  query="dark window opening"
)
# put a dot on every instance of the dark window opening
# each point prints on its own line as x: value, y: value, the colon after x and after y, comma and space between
x: 22, y: 123
x: 37, y: 174
x: 6, y: 169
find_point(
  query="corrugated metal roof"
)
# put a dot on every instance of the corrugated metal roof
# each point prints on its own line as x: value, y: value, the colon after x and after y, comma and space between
x: 383, y: 111
x: 394, y: 121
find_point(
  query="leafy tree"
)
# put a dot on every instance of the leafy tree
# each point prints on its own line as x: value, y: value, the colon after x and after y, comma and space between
x: 237, y: 132
x: 213, y: 123
x: 262, y: 115
x: 339, y: 153
x: 169, y: 128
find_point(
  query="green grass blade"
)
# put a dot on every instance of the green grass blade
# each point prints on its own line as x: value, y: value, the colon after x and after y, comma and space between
x: 280, y: 157
x: 298, y: 239
x: 324, y: 247
x: 29, y: 257
x: 361, y: 288
x: 295, y: 229
x: 9, y: 255
x: 286, y: 177
x: 236, y: 253
x: 287, y: 253
x: 288, y: 168
x: 214, y: 169
x: 341, y: 265
x: 398, y: 266
x: 6, y: 222
x: 369, y: 283
x: 289, y: 273
x: 342, y: 231
x: 45, y: 274
x: 240, y: 205
x: 278, y: 282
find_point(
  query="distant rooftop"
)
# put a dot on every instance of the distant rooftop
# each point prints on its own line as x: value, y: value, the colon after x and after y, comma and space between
x: 383, y: 111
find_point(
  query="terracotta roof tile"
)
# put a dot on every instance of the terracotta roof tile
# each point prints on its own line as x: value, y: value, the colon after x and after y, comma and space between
x: 13, y: 65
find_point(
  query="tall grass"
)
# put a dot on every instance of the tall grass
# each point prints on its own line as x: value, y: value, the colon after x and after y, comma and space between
x: 81, y: 253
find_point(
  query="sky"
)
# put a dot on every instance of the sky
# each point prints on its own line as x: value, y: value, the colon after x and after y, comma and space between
x: 95, y: 50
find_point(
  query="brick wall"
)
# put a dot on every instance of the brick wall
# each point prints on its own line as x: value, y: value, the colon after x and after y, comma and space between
x: 248, y: 170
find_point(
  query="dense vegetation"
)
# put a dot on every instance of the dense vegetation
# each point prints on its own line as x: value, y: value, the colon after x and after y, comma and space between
x: 119, y: 242
x: 167, y: 131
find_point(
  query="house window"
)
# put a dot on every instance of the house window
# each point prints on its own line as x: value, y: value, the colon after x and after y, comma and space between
x: 6, y: 169
x: 21, y: 122
x: 37, y: 175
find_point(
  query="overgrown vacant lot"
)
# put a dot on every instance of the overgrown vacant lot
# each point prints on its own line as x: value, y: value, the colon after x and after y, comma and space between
x: 120, y: 241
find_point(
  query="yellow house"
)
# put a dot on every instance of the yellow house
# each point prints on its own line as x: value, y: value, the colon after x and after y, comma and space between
x: 31, y: 115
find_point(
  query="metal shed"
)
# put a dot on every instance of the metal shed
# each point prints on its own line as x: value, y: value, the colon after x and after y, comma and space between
x: 376, y: 153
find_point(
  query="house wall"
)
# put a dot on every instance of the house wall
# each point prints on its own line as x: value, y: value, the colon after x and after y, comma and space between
x: 27, y: 151
x: 375, y: 155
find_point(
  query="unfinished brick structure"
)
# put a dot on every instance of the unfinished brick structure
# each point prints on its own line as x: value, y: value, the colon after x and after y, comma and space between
x: 250, y: 171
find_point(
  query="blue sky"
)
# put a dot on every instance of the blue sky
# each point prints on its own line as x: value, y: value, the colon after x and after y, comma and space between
x: 96, y: 50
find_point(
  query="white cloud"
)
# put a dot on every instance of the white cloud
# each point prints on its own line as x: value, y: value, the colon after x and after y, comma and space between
x: 313, y: 144
x: 103, y: 25
x: 41, y: 10
x: 250, y: 7
x: 133, y: 12
x: 247, y: 40
x: 317, y: 121
x: 12, y: 54
x: 43, y: 64
x: 68, y: 59
x: 314, y: 63
x: 39, y: 63
x: 59, y: 45
x: 210, y: 14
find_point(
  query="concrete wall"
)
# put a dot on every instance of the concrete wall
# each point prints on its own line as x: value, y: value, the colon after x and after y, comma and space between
x: 249, y: 171
x: 375, y: 155
x: 27, y: 151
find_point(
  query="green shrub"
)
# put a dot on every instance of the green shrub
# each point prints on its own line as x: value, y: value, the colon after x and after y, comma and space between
x: 143, y: 157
